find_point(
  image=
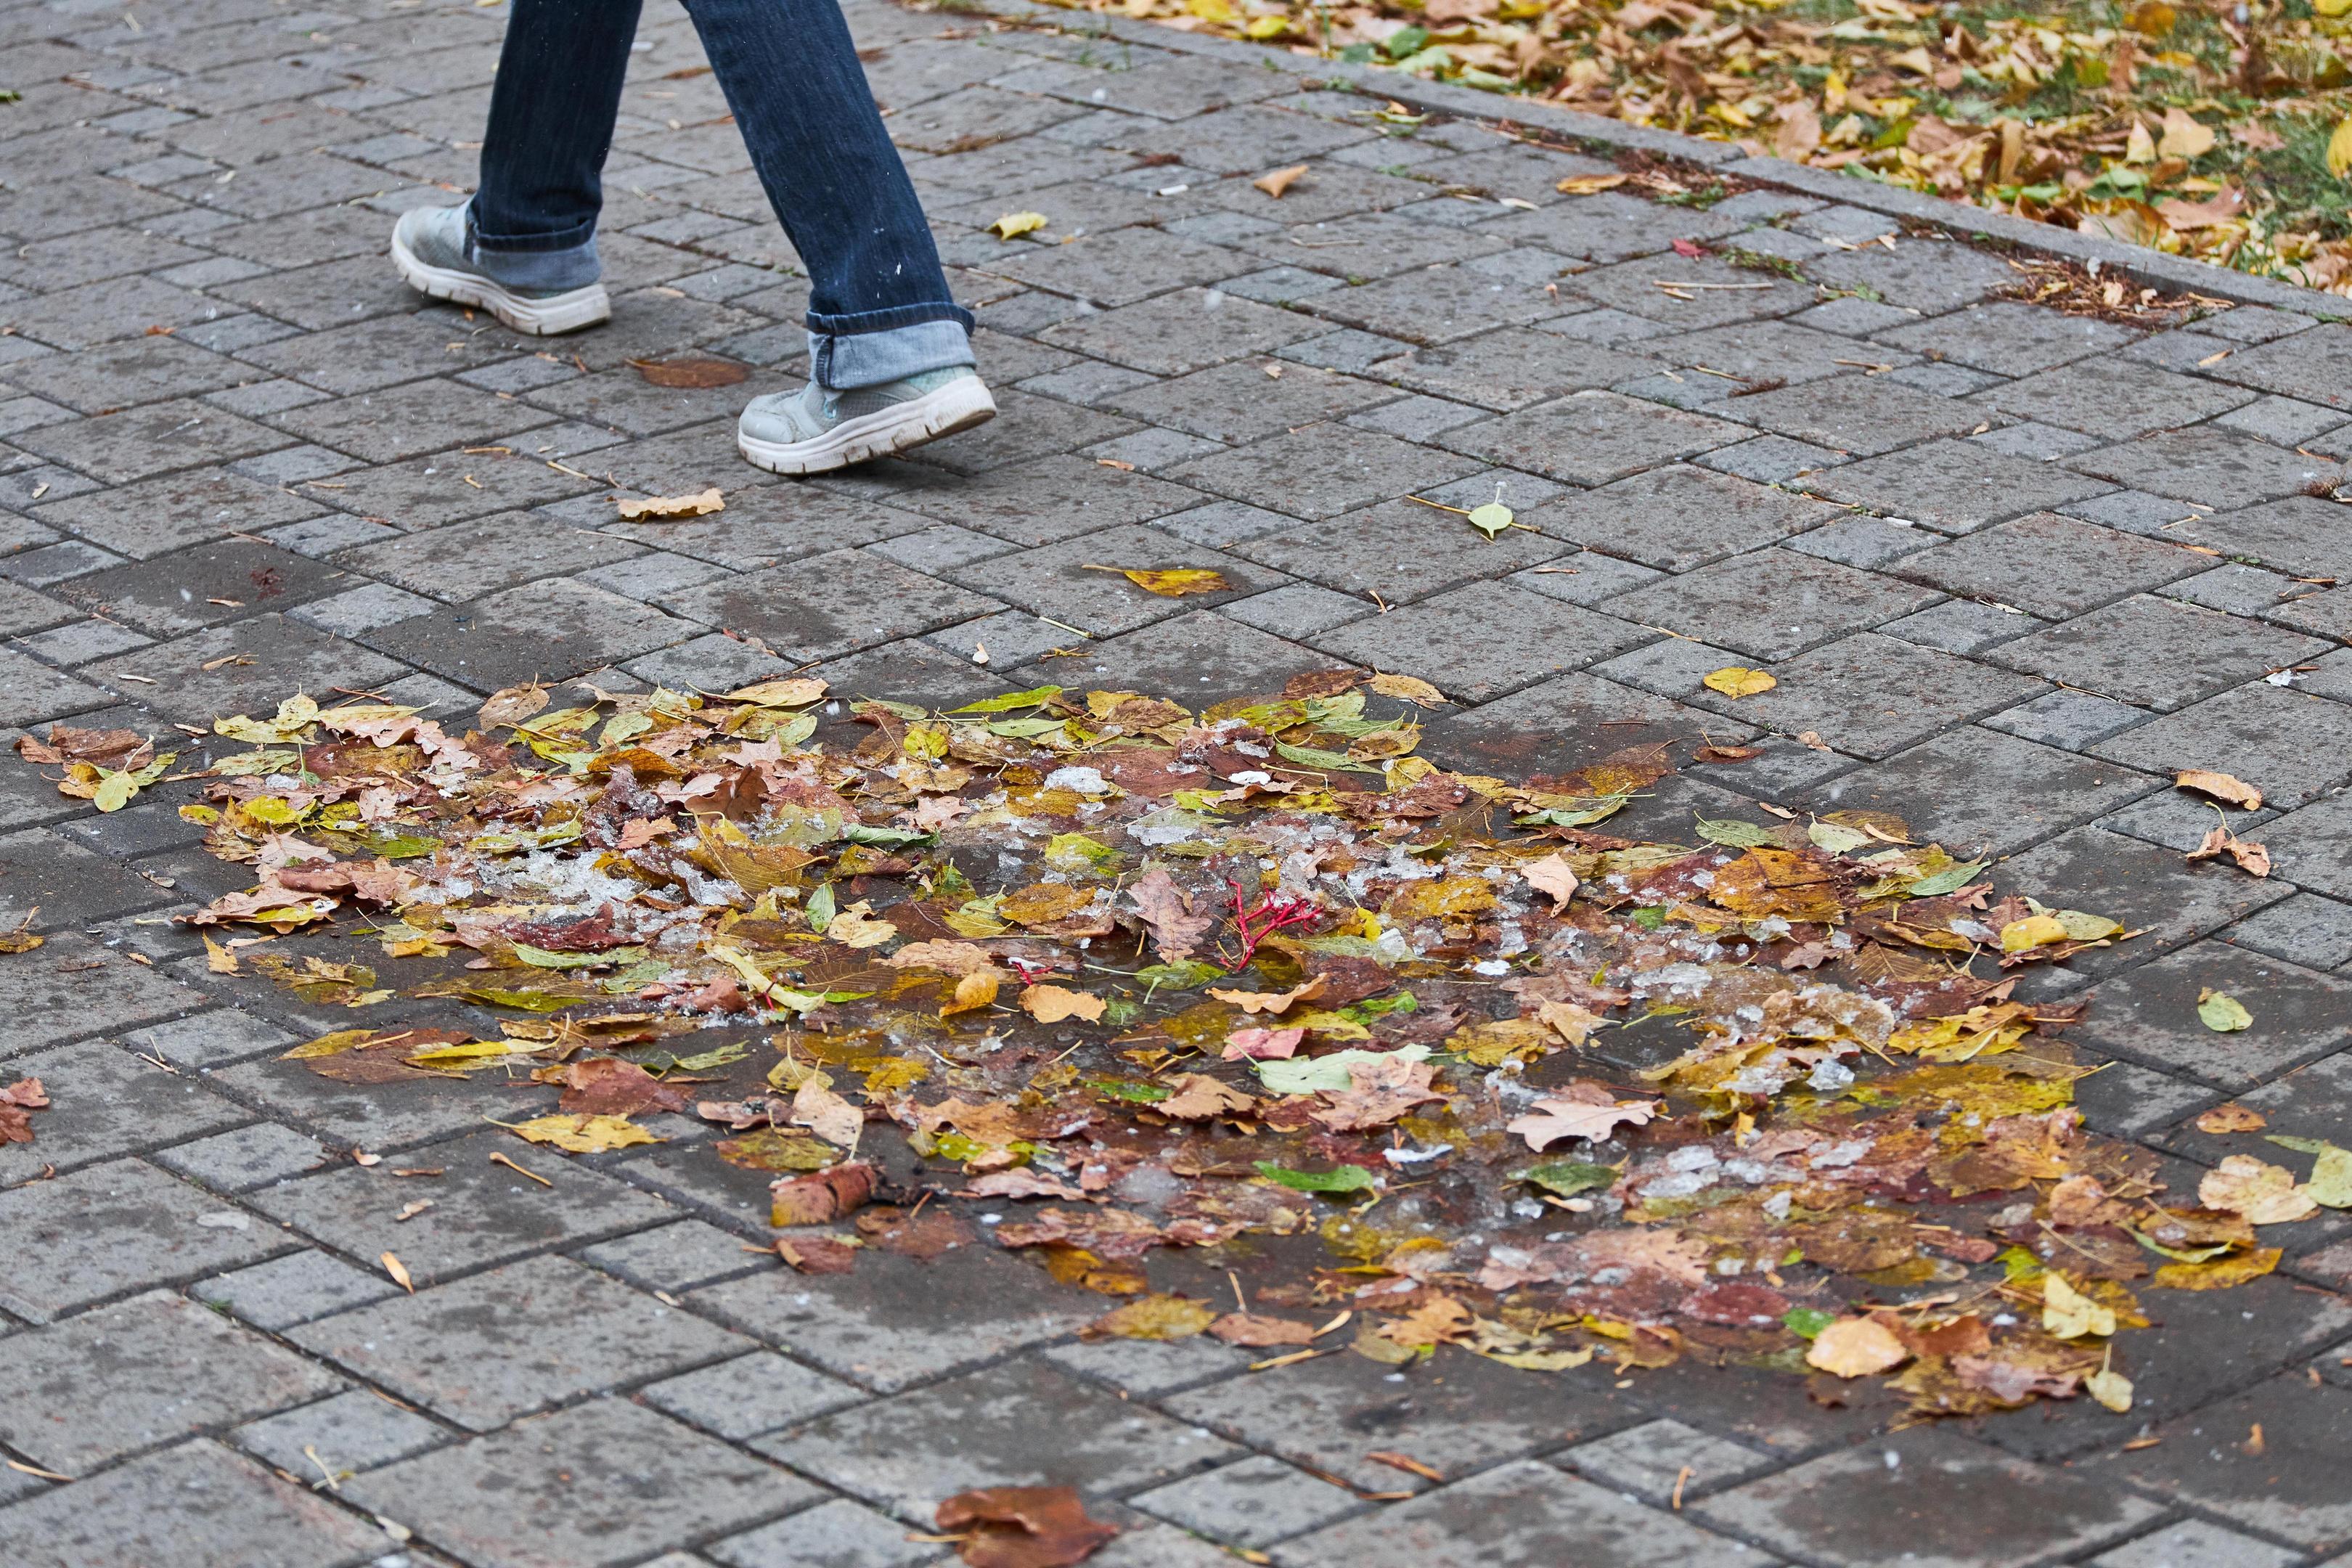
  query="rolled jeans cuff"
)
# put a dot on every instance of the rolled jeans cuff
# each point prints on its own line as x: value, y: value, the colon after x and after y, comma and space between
x: 844, y: 361
x: 539, y: 263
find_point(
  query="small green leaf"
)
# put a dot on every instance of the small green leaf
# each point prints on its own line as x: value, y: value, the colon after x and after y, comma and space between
x: 819, y: 908
x: 1128, y: 1089
x: 1951, y: 880
x: 2223, y: 1013
x: 1566, y: 1178
x: 1733, y: 834
x: 1338, y: 1179
x: 1183, y: 976
x: 1806, y: 1322
x: 1032, y: 697
x: 1491, y: 518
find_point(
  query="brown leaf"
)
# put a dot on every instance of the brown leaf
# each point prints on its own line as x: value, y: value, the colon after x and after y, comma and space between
x: 1321, y: 683
x: 1551, y: 875
x: 607, y: 1086
x: 17, y: 1102
x: 1151, y: 1317
x: 1021, y: 1181
x: 1176, y: 931
x: 953, y: 957
x: 1053, y: 1004
x: 691, y: 371
x: 817, y: 1253
x: 699, y: 504
x: 1279, y: 180
x: 1255, y: 1332
x: 1554, y: 1119
x: 1022, y: 1527
x: 2252, y: 859
x: 822, y: 1196
x: 2232, y: 1118
x: 1856, y: 1347
x: 1199, y: 1096
x: 827, y: 1115
x: 2220, y: 786
x: 511, y: 706
x: 1407, y: 688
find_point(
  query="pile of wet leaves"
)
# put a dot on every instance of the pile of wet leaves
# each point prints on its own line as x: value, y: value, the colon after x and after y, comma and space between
x: 1153, y: 997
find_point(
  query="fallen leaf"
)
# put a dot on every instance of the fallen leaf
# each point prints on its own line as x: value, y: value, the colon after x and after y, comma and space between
x: 1176, y: 931
x: 2232, y: 1118
x: 1263, y: 1044
x: 2262, y: 1193
x: 1276, y: 1002
x: 509, y: 707
x: 1856, y: 1347
x: 2339, y: 148
x: 2223, y: 1013
x: 583, y: 1134
x: 1171, y: 582
x: 2068, y: 1314
x: 1252, y: 1332
x: 1407, y: 688
x: 2220, y: 786
x: 1279, y: 180
x: 2252, y: 859
x: 1151, y: 1317
x: 17, y: 1102
x: 2110, y: 1388
x: 1737, y: 680
x: 1011, y: 225
x: 697, y: 505
x: 1554, y: 1119
x: 789, y: 691
x: 1199, y: 1096
x: 817, y: 1253
x: 1022, y: 1527
x: 1053, y: 1004
x: 1590, y: 184
x: 691, y: 371
x: 954, y: 957
x: 826, y: 1114
x: 399, y: 1272
x: 2184, y: 136
x: 1551, y: 875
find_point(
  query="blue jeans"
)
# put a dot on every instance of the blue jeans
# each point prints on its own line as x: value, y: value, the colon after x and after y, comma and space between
x: 880, y: 308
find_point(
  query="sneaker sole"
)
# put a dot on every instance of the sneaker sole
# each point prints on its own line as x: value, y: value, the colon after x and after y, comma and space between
x: 960, y: 405
x: 544, y: 317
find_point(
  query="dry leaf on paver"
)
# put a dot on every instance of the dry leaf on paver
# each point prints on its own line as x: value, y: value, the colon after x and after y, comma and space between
x: 1407, y: 688
x: 508, y: 708
x: 22, y: 938
x: 1151, y: 1317
x: 1590, y: 184
x: 1170, y: 583
x: 2220, y: 786
x: 1177, y: 931
x: 1251, y: 1330
x: 2251, y: 857
x: 691, y: 371
x: 1738, y: 680
x: 2068, y: 1314
x: 1553, y: 875
x: 1856, y: 1347
x: 399, y: 1272
x: 582, y: 1134
x: 1053, y: 1004
x: 2262, y: 1193
x: 2231, y: 1118
x: 1276, y: 180
x: 1011, y: 225
x: 817, y: 1107
x: 1022, y: 1527
x: 1555, y: 1118
x: 701, y: 504
x: 2223, y: 1013
x: 18, y: 1101
x: 1275, y: 1001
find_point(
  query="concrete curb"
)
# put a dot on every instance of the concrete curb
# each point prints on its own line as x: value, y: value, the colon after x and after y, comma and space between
x: 2152, y: 269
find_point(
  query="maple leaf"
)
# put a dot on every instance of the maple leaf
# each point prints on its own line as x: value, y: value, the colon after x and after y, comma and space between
x: 1199, y: 1096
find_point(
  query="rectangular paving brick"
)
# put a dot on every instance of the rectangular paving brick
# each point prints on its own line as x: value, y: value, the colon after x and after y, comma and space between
x: 1527, y: 636
x: 2211, y: 467
x: 2155, y: 653
x: 195, y: 1505
x: 1954, y: 487
x: 107, y: 1230
x: 2051, y: 565
x: 1321, y: 470
x: 1873, y: 696
x: 1593, y: 437
x: 1771, y: 604
x: 1863, y: 415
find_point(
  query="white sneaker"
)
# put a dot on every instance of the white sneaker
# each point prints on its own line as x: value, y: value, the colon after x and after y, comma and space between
x: 811, y: 430
x: 428, y: 247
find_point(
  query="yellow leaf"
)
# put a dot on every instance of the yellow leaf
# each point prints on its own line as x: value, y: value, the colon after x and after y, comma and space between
x: 1593, y: 184
x: 1053, y: 1004
x: 977, y: 988
x: 694, y: 505
x: 1151, y: 1317
x: 2223, y: 1013
x: 2184, y: 136
x: 792, y: 691
x: 2264, y: 1194
x: 219, y: 960
x: 2220, y: 1274
x: 1013, y: 224
x: 2339, y: 149
x: 583, y: 1134
x: 1737, y: 680
x: 115, y: 790
x: 2068, y: 1314
x: 1856, y: 1347
x: 2033, y: 930
x: 1279, y: 180
x: 2140, y: 147
x: 2109, y: 1387
x: 399, y: 1272
x: 857, y: 927
x: 2220, y: 786
x: 1413, y: 688
x: 1172, y: 583
x: 2331, y: 8
x: 1262, y: 29
x: 327, y: 1045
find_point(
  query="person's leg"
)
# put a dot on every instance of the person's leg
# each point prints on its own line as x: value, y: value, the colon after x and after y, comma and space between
x: 879, y: 309
x: 525, y: 246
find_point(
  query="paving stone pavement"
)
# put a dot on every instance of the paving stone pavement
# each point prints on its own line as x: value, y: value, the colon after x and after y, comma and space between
x: 2011, y: 568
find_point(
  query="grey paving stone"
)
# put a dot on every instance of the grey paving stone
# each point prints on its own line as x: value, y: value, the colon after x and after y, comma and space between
x: 1962, y: 625
x: 293, y: 1289
x: 1679, y: 517
x: 1253, y: 1502
x: 30, y: 691
x: 1188, y: 330
x: 834, y: 1534
x: 1321, y: 470
x: 2301, y: 536
x: 1593, y: 437
x: 2282, y: 1486
x: 2010, y: 339
x: 2325, y: 615
x: 1532, y: 636
x: 1980, y: 792
x: 1069, y: 581
x: 2035, y: 440
x: 1300, y: 611
x: 677, y: 1258
x: 482, y: 1213
x: 2306, y: 929
x: 355, y: 1431
x: 1873, y: 696
x: 108, y: 1103
x: 880, y: 1327
x: 2070, y: 720
x: 1247, y: 399
x: 2287, y: 421
x: 2210, y: 467
x: 1221, y: 526
x: 1863, y: 415
x: 1770, y: 604
x: 447, y: 1349
x: 2287, y: 744
x: 2141, y: 885
x: 1943, y: 380
x: 247, y: 1157
x: 207, y: 1039
x: 106, y: 1230
x: 1769, y: 459
x: 1507, y: 370
x: 1663, y: 1460
x: 2053, y: 566
x: 1517, y: 1516
x: 139, y: 1374
x: 190, y: 1507
x: 544, y: 631
x: 2194, y: 1543
x: 1942, y: 1503
x: 830, y: 605
x: 1442, y: 304
x: 599, y: 1485
x: 1020, y: 1424
x: 1414, y: 418
x: 1956, y: 487
x: 1146, y: 1369
x: 1400, y: 549
x: 750, y: 1396
x: 2149, y: 1014
x: 1670, y: 667
x: 2119, y: 651
x: 2177, y: 820
x: 284, y: 656
x: 2309, y: 364
x: 2234, y: 590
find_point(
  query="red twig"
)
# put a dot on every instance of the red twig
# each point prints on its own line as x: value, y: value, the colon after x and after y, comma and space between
x: 1278, y: 910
